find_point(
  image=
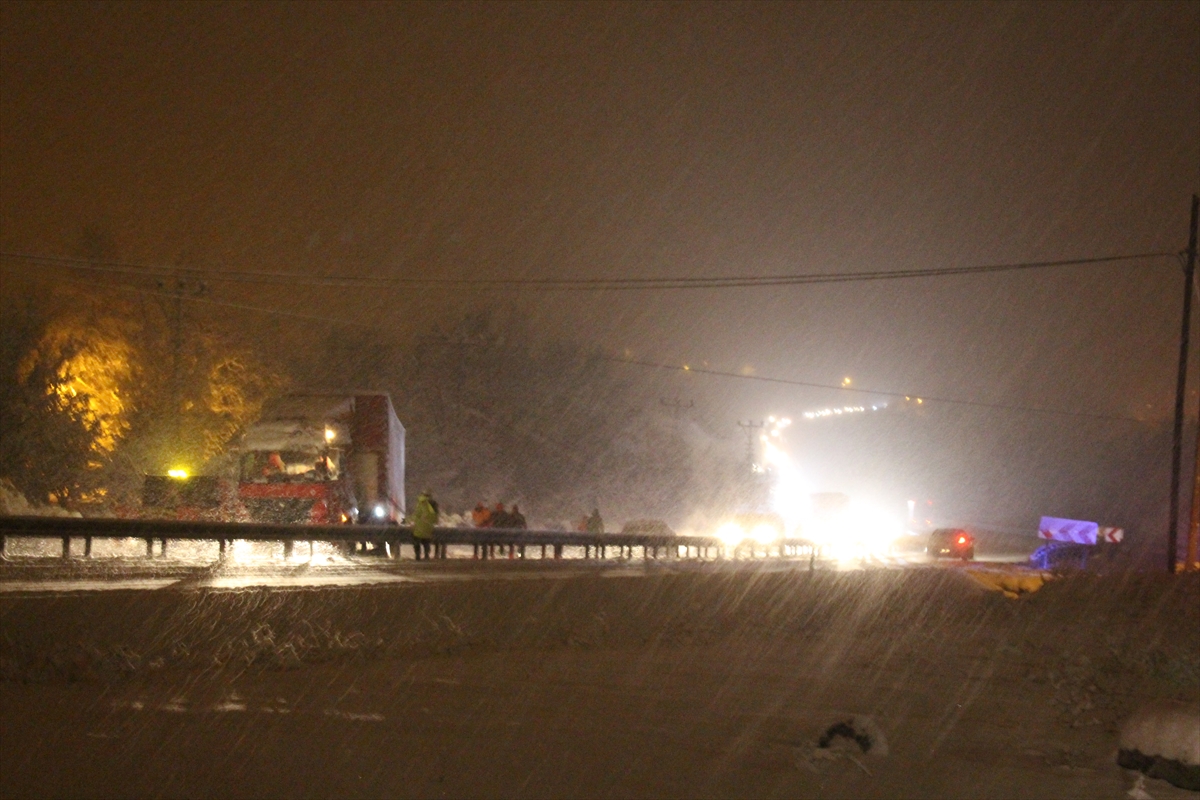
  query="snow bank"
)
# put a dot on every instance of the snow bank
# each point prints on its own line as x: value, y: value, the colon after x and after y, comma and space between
x: 13, y: 503
x: 1162, y: 739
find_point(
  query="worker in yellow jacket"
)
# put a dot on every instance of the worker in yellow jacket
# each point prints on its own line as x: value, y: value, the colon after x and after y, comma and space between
x: 424, y: 517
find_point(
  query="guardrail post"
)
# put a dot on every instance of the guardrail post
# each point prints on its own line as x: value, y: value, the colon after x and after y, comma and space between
x: 288, y: 548
x: 66, y: 543
x: 149, y: 548
x: 3, y: 546
x: 163, y: 554
x: 221, y: 552
x: 558, y: 548
x: 87, y: 547
x: 543, y: 551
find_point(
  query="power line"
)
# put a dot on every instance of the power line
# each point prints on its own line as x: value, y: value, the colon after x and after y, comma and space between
x: 840, y: 388
x: 562, y: 284
x: 224, y: 303
x: 657, y: 365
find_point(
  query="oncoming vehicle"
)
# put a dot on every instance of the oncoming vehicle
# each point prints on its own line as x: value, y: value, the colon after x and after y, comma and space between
x: 951, y: 543
x: 749, y: 530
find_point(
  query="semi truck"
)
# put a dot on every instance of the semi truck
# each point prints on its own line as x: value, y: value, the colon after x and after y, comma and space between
x: 324, y: 459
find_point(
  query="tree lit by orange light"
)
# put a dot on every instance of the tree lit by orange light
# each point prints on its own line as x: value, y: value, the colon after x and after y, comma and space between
x: 93, y: 361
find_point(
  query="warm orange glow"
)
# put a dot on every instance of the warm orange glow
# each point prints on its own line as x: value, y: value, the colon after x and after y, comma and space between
x: 94, y: 360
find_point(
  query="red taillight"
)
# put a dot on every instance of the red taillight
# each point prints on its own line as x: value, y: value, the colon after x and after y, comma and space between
x: 962, y: 540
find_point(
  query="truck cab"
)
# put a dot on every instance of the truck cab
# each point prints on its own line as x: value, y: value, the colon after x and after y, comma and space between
x: 324, y: 459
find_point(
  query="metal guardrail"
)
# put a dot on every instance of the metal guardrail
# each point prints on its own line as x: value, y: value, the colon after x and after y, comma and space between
x: 485, y: 540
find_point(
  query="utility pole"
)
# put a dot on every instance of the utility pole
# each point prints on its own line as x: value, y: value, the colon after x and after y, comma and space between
x: 182, y: 286
x: 758, y: 489
x: 750, y: 426
x: 1189, y: 278
x: 1193, y: 543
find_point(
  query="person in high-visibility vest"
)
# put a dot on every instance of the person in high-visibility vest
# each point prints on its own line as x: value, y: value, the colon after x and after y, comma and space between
x: 424, y: 517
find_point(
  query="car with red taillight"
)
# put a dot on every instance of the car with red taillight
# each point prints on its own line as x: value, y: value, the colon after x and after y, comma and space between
x: 951, y: 543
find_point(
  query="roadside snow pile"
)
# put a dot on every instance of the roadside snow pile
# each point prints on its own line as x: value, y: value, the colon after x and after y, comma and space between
x: 13, y: 503
x: 1162, y: 740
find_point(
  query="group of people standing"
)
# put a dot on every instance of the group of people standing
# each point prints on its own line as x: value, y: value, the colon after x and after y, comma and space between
x: 497, y: 517
x: 425, y: 517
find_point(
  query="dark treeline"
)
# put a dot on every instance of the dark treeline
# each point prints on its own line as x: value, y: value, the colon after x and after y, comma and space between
x: 89, y: 405
x: 495, y: 415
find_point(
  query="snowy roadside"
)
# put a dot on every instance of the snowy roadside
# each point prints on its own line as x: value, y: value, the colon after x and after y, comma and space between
x: 714, y: 684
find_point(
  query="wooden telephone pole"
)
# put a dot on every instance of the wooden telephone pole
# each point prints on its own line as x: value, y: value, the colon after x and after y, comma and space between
x: 1189, y: 279
x: 175, y: 294
x: 1193, y: 542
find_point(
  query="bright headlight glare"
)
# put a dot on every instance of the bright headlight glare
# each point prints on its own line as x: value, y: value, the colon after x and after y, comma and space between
x: 764, y: 534
x: 731, y: 533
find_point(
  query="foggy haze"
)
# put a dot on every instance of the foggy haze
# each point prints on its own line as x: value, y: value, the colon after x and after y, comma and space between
x: 549, y: 141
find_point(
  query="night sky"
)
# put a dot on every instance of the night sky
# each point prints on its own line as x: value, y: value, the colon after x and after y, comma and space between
x: 598, y: 140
